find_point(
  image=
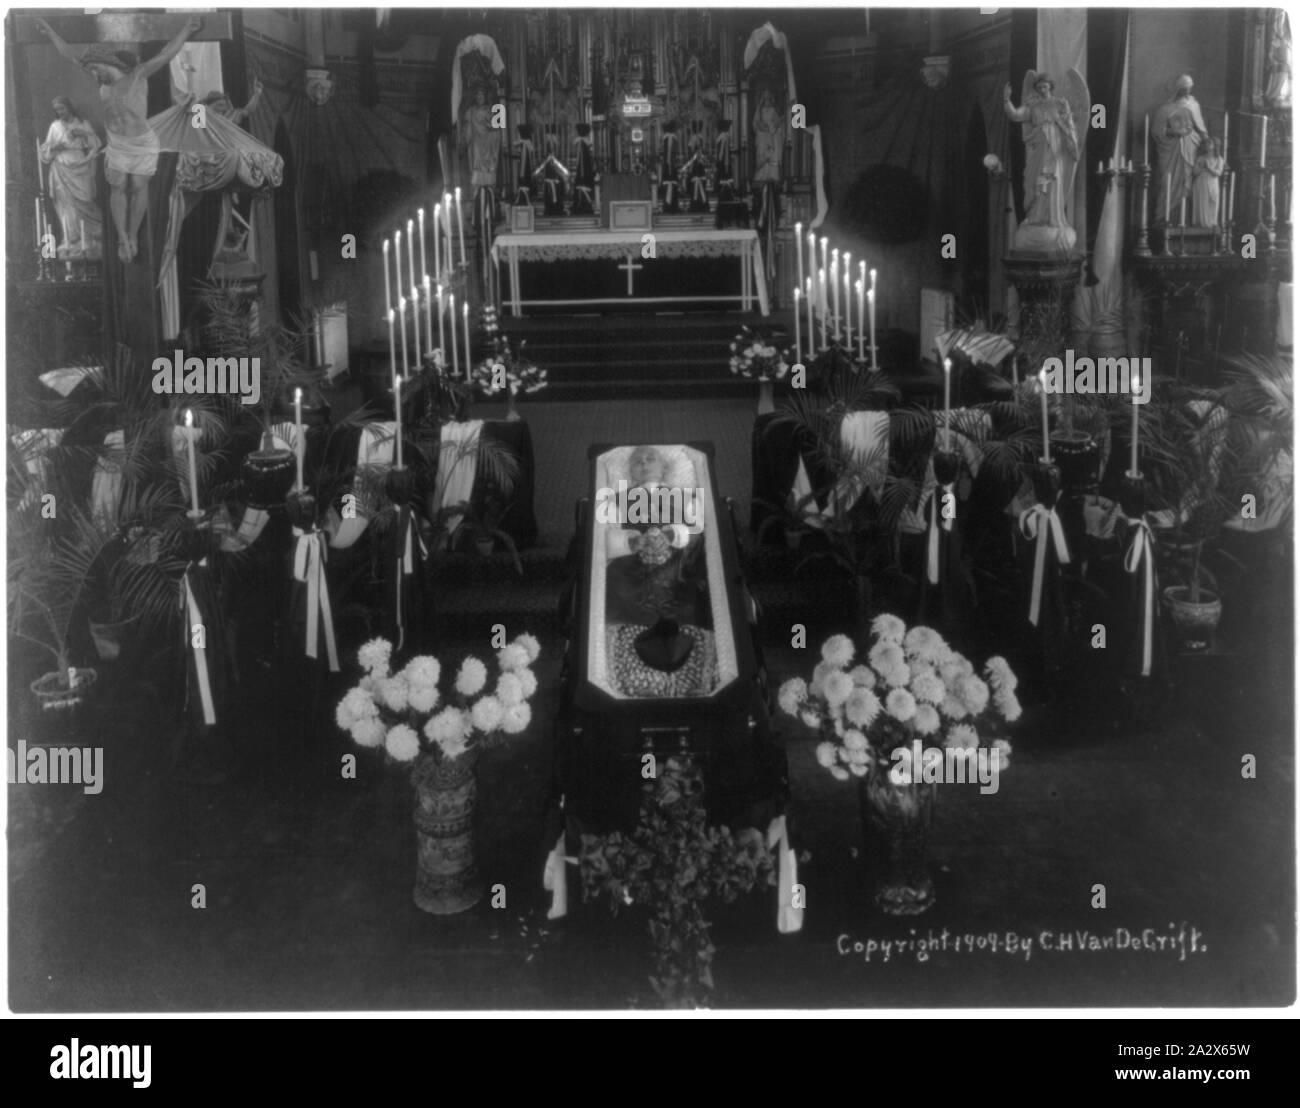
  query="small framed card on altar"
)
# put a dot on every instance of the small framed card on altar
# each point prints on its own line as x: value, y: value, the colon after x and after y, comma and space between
x: 521, y: 218
x: 629, y: 215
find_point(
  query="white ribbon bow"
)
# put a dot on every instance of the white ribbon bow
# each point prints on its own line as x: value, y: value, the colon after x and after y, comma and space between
x: 788, y: 918
x: 1140, y: 553
x: 1037, y: 522
x: 190, y: 605
x: 309, y: 567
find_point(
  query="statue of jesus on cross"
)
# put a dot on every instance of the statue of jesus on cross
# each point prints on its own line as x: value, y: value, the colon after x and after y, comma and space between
x: 132, y: 154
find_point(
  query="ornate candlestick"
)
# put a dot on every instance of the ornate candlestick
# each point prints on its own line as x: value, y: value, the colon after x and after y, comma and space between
x: 1143, y: 248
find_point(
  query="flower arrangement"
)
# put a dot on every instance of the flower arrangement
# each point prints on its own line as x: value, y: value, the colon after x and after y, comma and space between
x: 911, y: 686
x: 754, y: 356
x: 509, y: 371
x: 405, y: 712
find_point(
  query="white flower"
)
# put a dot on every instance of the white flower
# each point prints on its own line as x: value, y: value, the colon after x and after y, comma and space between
x: 360, y: 705
x: 393, y: 693
x: 855, y: 740
x: 837, y: 688
x: 510, y: 690
x: 422, y: 672
x: 898, y: 678
x: 402, y: 743
x: 368, y: 732
x: 1006, y: 703
x: 453, y: 747
x: 343, y: 715
x: 888, y: 628
x: 954, y: 708
x: 839, y: 773
x: 472, y: 676
x: 900, y: 704
x: 927, y: 686
x: 531, y: 645
x: 885, y: 657
x: 863, y: 677
x: 792, y: 693
x: 962, y: 736
x: 810, y: 716
x: 951, y: 672
x: 449, y: 725
x: 927, y: 719
x: 862, y: 707
x: 512, y: 656
x: 974, y: 694
x: 516, y: 718
x: 923, y: 642
x: 826, y: 754
x: 821, y: 671
x: 1001, y: 754
x: 838, y: 650
x: 999, y: 674
x: 374, y: 657
x: 423, y: 698
x: 487, y: 713
x: 528, y: 679
x: 859, y: 769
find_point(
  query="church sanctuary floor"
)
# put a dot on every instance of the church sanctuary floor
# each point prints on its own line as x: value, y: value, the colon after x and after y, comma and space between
x: 308, y: 877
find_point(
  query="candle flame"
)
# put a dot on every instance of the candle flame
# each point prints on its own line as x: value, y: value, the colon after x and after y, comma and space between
x: 297, y: 396
x: 871, y: 295
x: 385, y: 246
x: 812, y: 239
x: 189, y: 418
x: 947, y: 365
x: 410, y: 226
x: 858, y: 285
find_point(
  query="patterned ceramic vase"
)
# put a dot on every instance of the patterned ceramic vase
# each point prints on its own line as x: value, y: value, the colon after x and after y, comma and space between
x: 446, y: 793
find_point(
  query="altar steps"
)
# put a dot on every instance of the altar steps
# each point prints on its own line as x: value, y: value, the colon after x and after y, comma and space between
x: 588, y: 357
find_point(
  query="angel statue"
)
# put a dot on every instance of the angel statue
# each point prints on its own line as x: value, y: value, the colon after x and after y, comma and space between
x: 1051, y: 156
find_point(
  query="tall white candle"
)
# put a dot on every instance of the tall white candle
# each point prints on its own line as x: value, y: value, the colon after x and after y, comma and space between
x: 797, y: 343
x: 437, y: 238
x: 798, y: 253
x: 848, y: 313
x: 388, y: 292
x: 821, y: 304
x: 947, y: 403
x: 1169, y: 186
x: 1146, y: 141
x: 1047, y: 438
x: 424, y: 260
x: 297, y: 434
x: 871, y: 315
x: 825, y: 260
x: 401, y: 327
x: 1133, y: 444
x: 194, y: 465
x: 812, y: 260
x: 862, y: 320
x: 460, y: 224
x: 415, y: 289
x: 465, y: 313
x: 397, y: 410
x: 834, y: 277
x: 428, y: 315
x: 808, y: 302
x: 442, y: 342
x: 1232, y: 195
x: 392, y: 347
x: 455, y: 346
x: 397, y: 261
x: 1263, y: 141
x: 1272, y: 197
x: 1227, y: 118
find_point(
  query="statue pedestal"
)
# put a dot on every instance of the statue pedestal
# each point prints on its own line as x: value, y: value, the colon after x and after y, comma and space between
x: 1045, y: 284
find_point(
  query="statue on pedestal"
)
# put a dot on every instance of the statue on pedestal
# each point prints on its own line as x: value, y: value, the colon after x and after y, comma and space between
x: 1177, y: 128
x: 1052, y: 154
x: 70, y: 149
x: 132, y: 154
x: 481, y: 141
x: 1206, y: 172
x: 769, y: 138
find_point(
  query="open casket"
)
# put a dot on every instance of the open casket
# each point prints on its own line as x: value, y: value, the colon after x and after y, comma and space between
x: 662, y: 655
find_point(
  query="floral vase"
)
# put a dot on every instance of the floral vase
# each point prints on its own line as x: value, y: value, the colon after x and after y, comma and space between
x: 446, y: 875
x: 766, y: 403
x: 896, y: 823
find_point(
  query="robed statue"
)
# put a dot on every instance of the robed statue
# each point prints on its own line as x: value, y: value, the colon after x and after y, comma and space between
x: 1178, y: 129
x: 1050, y: 125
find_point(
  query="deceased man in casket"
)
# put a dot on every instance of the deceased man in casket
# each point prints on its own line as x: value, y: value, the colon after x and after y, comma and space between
x: 658, y: 609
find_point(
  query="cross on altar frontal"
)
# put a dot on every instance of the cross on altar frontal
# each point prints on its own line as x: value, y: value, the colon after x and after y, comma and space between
x: 630, y: 266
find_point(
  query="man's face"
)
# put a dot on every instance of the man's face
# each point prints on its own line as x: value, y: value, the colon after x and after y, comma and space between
x: 104, y: 74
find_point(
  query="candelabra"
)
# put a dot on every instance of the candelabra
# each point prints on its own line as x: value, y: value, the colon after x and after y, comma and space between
x: 1123, y: 172
x: 1143, y: 247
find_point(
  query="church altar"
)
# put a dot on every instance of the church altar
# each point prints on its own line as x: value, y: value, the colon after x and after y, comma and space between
x: 587, y: 245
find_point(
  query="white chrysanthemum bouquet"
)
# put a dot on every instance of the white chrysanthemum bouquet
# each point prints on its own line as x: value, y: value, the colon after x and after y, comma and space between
x: 911, y: 685
x: 405, y: 712
x: 756, y: 356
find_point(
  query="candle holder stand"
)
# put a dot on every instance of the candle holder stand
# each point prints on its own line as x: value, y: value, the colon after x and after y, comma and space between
x: 1143, y: 248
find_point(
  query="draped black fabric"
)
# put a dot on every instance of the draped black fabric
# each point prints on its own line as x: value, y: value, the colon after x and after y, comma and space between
x: 1107, y: 35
